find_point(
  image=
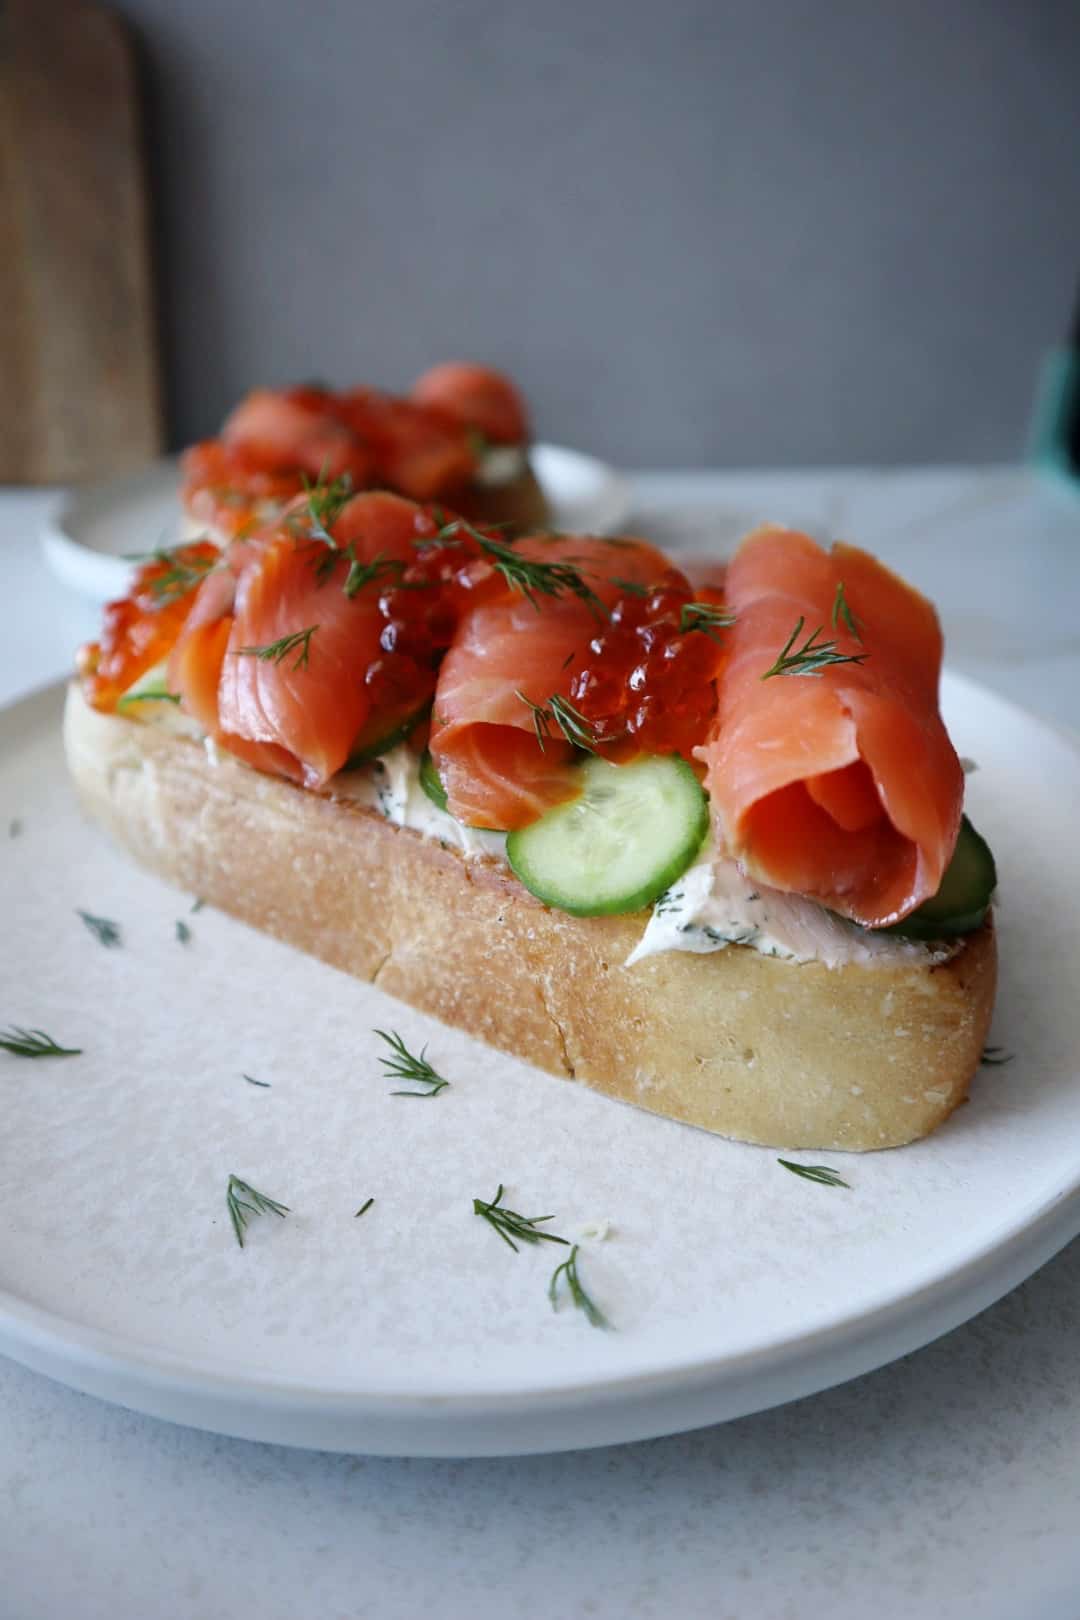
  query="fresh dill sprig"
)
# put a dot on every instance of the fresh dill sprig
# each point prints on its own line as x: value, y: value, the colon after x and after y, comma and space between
x: 812, y: 657
x: 104, y: 930
x: 815, y: 1172
x: 541, y: 718
x: 632, y: 587
x: 442, y: 520
x: 522, y: 574
x: 706, y: 616
x: 534, y: 579
x: 251, y: 1080
x: 325, y: 498
x: 182, y: 574
x: 573, y: 724
x: 180, y: 579
x: 559, y: 711
x: 381, y: 567
x: 158, y: 696
x: 34, y: 1043
x: 273, y: 653
x: 510, y: 1225
x: 402, y: 1064
x: 244, y: 1201
x: 325, y: 563
x: 841, y: 611
x: 364, y: 1207
x: 197, y: 904
x: 993, y: 1057
x: 569, y: 1271
x: 183, y: 932
x: 247, y: 528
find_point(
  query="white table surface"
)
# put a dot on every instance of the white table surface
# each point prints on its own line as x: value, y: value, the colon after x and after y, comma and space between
x: 945, y: 1485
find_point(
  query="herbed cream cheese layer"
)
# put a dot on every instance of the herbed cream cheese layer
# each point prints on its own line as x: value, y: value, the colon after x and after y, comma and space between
x: 391, y: 785
x: 715, y: 904
x: 712, y: 907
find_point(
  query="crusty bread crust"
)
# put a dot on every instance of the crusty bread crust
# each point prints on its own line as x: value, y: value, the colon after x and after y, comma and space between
x: 735, y: 1042
x: 520, y: 504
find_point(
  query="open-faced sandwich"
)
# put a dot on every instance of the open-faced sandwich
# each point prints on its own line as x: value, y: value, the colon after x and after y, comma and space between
x: 460, y: 437
x: 703, y: 850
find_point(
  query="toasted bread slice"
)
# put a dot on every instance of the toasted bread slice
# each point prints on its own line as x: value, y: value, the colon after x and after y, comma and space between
x: 793, y: 1055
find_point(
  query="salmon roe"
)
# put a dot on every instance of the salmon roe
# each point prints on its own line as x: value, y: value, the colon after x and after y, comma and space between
x: 142, y: 629
x: 420, y: 605
x: 646, y: 684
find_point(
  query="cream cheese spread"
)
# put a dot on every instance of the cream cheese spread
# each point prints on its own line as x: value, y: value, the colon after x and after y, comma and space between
x: 501, y: 464
x: 712, y: 906
x: 715, y: 904
x: 391, y: 785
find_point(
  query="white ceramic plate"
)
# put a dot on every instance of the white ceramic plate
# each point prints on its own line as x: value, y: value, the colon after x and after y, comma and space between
x: 92, y: 529
x: 731, y: 1283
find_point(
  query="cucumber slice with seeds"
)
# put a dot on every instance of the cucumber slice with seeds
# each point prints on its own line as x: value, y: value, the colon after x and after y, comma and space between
x: 964, y: 897
x: 633, y: 830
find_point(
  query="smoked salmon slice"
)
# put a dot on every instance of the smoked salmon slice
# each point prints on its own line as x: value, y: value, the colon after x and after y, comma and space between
x: 296, y: 430
x: 423, y: 453
x: 140, y: 629
x: 281, y: 662
x: 427, y: 446
x: 511, y: 655
x: 476, y: 396
x: 832, y: 776
x: 195, y: 666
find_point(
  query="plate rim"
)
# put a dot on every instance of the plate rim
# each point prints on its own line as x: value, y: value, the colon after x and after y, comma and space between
x: 579, y: 1415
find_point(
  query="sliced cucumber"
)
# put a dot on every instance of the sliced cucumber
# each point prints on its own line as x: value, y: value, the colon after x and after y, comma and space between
x: 146, y: 695
x: 633, y: 830
x: 430, y: 780
x: 389, y: 739
x: 151, y: 687
x: 963, y: 899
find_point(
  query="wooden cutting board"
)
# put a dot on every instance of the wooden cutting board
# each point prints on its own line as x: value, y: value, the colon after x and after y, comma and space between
x: 79, y: 391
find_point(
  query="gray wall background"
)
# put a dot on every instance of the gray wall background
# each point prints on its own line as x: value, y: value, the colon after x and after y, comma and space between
x: 698, y: 234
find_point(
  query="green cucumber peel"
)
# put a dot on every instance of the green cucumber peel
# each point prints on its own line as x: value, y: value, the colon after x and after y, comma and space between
x: 391, y: 739
x: 964, y: 896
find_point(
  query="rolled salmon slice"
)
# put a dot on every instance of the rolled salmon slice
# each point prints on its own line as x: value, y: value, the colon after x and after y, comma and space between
x: 296, y: 429
x: 275, y: 657
x: 419, y: 451
x: 195, y: 666
x: 511, y: 653
x: 837, y: 782
x: 476, y: 396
